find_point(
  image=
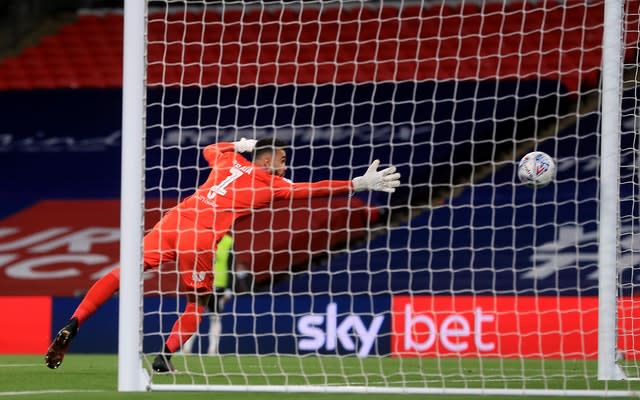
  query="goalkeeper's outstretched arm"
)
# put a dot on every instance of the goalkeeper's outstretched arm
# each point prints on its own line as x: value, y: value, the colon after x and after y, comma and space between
x: 269, y: 154
x: 386, y: 180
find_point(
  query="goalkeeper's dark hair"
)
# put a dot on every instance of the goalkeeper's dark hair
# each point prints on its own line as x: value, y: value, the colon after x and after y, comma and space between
x: 268, y: 145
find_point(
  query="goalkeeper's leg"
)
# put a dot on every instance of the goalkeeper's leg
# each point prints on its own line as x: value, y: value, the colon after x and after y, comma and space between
x: 215, y: 305
x: 97, y: 295
x: 198, y: 281
x: 183, y: 329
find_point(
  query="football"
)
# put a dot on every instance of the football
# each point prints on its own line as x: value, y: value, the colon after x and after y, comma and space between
x: 536, y: 169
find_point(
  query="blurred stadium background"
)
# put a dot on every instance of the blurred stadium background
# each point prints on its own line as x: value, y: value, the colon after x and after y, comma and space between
x: 60, y: 96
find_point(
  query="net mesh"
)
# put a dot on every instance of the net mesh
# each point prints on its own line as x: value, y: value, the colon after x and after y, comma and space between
x: 462, y: 278
x: 628, y: 277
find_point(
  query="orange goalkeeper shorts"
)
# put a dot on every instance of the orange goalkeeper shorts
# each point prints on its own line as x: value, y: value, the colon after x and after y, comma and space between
x: 175, y: 238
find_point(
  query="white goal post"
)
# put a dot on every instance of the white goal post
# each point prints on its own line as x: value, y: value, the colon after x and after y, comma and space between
x: 463, y: 281
x: 609, y: 192
x: 131, y: 375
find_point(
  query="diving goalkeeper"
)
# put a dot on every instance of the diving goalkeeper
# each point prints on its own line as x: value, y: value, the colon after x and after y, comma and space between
x: 188, y: 233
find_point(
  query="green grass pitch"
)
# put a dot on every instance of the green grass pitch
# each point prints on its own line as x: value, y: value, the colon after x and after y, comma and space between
x: 85, y: 376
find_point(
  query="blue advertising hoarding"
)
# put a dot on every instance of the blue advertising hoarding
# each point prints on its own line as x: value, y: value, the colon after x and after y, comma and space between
x: 262, y: 324
x: 322, y: 324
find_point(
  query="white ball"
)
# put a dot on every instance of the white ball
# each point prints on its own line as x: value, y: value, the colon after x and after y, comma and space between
x: 536, y: 169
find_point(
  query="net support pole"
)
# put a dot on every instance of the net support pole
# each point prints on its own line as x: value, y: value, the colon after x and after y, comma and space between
x: 609, y: 191
x: 131, y: 375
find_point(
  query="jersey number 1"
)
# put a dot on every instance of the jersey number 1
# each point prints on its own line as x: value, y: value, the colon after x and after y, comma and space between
x: 219, y: 189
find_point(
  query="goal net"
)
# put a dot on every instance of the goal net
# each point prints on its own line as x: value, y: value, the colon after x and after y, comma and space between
x: 462, y: 281
x: 628, y: 323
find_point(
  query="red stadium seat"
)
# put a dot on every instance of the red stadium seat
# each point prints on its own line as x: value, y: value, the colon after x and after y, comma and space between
x: 450, y: 26
x: 447, y: 69
x: 347, y: 32
x: 212, y: 32
x: 285, y: 14
x: 408, y: 49
x: 289, y: 32
x: 285, y: 73
x: 249, y: 53
x: 369, y: 31
x: 327, y: 52
x: 328, y: 31
x: 19, y: 83
x: 411, y: 12
x: 389, y: 29
x: 309, y: 13
x: 492, y: 8
x: 268, y: 53
x: 348, y: 15
x: 266, y: 75
x: 387, y: 12
x: 307, y: 54
x: 428, y: 49
x: 366, y: 51
x: 364, y: 72
x: 410, y: 29
x: 268, y: 32
x: 212, y: 16
x: 309, y: 32
x: 113, y: 23
x: 387, y: 50
x: 329, y: 14
x: 253, y: 16
x: 471, y: 24
x: 325, y: 72
x: 405, y: 70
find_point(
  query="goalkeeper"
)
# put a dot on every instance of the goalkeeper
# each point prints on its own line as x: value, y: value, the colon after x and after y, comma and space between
x: 188, y: 233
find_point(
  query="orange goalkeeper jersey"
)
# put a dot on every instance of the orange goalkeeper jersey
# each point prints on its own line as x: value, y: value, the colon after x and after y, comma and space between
x: 236, y: 186
x: 188, y: 233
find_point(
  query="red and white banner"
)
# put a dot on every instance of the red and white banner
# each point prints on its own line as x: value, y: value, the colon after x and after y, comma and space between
x: 505, y: 326
x: 58, y: 247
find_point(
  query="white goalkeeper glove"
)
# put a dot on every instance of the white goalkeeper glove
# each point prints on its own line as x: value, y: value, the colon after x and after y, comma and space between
x: 244, y: 145
x: 386, y: 180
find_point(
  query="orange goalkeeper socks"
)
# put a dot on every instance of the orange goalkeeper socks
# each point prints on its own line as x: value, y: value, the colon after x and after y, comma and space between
x: 184, y: 327
x: 97, y: 295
